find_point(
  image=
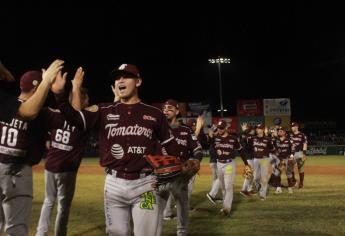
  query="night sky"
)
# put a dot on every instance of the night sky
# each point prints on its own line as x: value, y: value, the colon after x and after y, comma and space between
x: 294, y: 50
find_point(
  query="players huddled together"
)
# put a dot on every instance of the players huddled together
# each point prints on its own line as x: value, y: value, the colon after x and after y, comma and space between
x: 128, y: 130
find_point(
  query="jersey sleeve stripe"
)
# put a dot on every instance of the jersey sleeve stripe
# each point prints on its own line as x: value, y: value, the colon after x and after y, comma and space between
x: 168, y: 140
x: 83, y: 118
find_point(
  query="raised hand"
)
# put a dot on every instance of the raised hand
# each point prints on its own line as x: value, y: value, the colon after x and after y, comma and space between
x: 49, y: 74
x: 78, y: 78
x: 116, y: 92
x: 244, y: 126
x: 59, y: 83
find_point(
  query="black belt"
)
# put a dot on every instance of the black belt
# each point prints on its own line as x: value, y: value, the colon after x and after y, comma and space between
x: 224, y: 161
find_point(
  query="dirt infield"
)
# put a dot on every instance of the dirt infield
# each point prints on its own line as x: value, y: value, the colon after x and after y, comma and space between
x: 205, y: 169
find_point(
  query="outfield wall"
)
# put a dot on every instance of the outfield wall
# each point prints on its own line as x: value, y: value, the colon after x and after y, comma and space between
x: 326, y: 150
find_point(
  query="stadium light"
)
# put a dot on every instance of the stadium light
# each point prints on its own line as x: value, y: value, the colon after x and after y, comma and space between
x: 219, y: 61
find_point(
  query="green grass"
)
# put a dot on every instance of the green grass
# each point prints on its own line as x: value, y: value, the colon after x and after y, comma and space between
x: 318, y: 209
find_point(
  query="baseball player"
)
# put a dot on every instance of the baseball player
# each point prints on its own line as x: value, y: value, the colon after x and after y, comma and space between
x: 197, y: 127
x: 262, y: 148
x: 299, y: 142
x: 21, y: 146
x: 62, y: 162
x: 11, y: 106
x: 248, y: 133
x: 213, y: 165
x: 283, y: 146
x: 188, y: 148
x: 225, y: 146
x: 128, y: 130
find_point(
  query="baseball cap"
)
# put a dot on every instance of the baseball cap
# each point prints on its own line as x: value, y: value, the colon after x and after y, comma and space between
x: 221, y: 124
x: 172, y: 102
x: 30, y: 80
x: 281, y: 128
x: 293, y: 124
x: 260, y: 126
x: 125, y: 69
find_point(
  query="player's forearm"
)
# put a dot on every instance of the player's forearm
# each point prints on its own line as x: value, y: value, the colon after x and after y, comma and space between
x: 76, y: 99
x: 70, y: 114
x: 243, y: 157
x: 31, y: 107
x: 305, y: 147
x: 197, y: 154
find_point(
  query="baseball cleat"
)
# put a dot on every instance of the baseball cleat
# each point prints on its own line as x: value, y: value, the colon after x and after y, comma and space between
x: 290, y: 190
x: 278, y: 190
x: 225, y: 212
x: 245, y: 194
x: 168, y: 217
x: 262, y: 198
x: 212, y: 199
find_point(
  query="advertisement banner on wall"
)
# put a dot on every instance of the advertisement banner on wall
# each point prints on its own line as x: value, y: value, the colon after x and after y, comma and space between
x: 251, y: 107
x: 251, y: 120
x: 271, y: 121
x: 231, y: 121
x: 197, y: 108
x: 277, y: 106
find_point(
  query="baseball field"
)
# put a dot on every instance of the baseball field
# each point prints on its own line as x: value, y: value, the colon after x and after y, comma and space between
x: 317, y: 209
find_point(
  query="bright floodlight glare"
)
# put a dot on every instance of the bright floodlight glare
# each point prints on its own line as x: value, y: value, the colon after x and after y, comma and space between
x: 219, y: 60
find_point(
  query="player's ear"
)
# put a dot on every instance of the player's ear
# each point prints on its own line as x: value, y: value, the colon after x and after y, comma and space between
x: 138, y: 82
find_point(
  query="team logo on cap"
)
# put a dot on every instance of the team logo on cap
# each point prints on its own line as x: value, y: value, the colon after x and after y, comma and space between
x: 123, y: 66
x: 117, y: 151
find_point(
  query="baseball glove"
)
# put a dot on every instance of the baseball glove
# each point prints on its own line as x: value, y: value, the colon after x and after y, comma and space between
x: 282, y: 166
x: 166, y: 168
x: 190, y: 168
x: 248, y: 172
x: 291, y: 163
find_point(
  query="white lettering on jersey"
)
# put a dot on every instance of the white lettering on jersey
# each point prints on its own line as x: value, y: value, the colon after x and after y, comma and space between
x: 136, y: 150
x: 127, y: 131
x: 224, y: 145
x: 147, y: 117
x: 18, y: 124
x: 68, y: 127
x: 181, y: 142
x: 113, y: 117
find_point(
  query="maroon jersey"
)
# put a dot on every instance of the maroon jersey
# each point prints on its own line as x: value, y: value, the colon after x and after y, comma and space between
x: 187, y: 143
x: 20, y: 141
x: 262, y: 146
x: 127, y: 132
x: 283, y: 148
x: 225, y: 147
x: 247, y: 145
x: 298, y: 140
x: 66, y: 143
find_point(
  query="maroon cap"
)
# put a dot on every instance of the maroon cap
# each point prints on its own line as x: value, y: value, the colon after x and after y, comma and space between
x: 281, y: 128
x: 125, y: 69
x: 172, y: 102
x: 260, y: 126
x: 294, y: 124
x: 191, y: 122
x: 221, y: 124
x: 30, y: 80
